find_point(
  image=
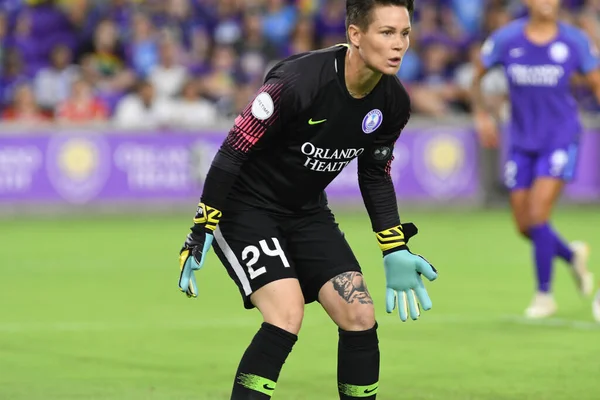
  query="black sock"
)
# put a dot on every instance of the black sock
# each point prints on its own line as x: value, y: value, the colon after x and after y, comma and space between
x: 358, y: 364
x: 259, y: 369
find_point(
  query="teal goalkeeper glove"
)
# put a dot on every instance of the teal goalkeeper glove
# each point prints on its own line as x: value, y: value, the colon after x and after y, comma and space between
x: 193, y: 252
x: 403, y: 271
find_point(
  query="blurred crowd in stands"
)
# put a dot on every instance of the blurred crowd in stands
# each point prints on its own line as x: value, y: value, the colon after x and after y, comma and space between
x: 148, y: 64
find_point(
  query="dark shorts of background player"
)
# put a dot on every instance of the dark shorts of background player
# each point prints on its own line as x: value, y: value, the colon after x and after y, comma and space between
x: 257, y: 248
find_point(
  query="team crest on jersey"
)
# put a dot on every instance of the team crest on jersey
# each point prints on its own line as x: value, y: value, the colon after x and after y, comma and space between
x: 372, y: 121
x: 559, y: 52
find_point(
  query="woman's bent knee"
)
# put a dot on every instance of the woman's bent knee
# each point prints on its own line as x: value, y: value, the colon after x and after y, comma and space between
x: 358, y: 318
x: 281, y: 303
x: 348, y: 302
x: 289, y: 320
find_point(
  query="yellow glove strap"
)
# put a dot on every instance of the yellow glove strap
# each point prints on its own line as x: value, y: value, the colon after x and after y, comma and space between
x: 391, y: 238
x: 207, y: 215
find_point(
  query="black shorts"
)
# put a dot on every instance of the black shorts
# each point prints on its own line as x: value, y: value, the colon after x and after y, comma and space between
x: 257, y: 248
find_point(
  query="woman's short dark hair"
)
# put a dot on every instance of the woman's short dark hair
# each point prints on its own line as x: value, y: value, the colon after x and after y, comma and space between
x: 358, y: 12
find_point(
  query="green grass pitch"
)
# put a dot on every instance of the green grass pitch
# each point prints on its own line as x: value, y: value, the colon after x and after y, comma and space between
x: 89, y: 309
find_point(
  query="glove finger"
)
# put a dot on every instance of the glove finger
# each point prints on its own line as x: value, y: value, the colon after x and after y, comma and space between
x: 423, y: 296
x: 426, y: 269
x: 197, y: 259
x: 183, y: 256
x: 207, y: 245
x: 200, y: 255
x: 192, y: 290
x: 390, y: 300
x: 186, y: 272
x: 412, y: 305
x: 402, y: 305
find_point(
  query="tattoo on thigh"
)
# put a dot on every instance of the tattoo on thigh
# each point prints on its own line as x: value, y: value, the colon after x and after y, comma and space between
x: 351, y: 286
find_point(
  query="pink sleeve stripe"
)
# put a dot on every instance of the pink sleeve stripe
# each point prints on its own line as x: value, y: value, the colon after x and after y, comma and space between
x: 248, y: 129
x: 388, y: 167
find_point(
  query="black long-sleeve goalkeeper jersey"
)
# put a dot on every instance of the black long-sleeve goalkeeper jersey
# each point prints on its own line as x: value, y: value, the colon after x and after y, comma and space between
x: 300, y: 131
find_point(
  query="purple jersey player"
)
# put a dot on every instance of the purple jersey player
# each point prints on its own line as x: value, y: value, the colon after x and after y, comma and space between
x: 540, y: 55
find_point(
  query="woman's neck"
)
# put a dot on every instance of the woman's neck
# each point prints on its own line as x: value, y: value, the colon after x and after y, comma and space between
x: 360, y: 80
x: 541, y: 31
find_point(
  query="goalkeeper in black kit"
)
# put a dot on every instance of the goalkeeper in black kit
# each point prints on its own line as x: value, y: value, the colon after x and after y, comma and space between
x: 264, y: 211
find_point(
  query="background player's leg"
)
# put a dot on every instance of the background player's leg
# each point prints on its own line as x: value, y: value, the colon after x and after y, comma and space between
x: 349, y: 304
x: 545, y: 192
x: 518, y: 177
x: 542, y: 304
x: 282, y: 305
x: 519, y: 174
x: 519, y: 203
x: 596, y: 306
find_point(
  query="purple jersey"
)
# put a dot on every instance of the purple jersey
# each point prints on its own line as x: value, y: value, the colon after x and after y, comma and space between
x: 544, y: 112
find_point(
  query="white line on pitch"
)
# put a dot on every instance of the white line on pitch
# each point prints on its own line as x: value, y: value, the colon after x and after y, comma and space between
x: 553, y: 322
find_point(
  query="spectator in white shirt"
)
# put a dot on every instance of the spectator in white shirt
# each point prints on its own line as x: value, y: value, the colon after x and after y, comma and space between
x: 53, y: 83
x: 169, y: 75
x: 142, y: 109
x: 191, y: 110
